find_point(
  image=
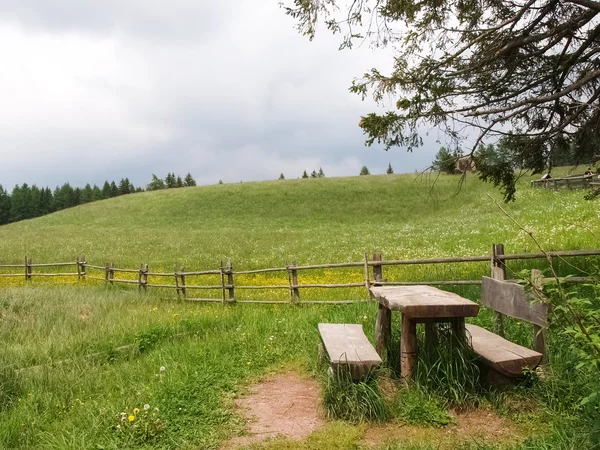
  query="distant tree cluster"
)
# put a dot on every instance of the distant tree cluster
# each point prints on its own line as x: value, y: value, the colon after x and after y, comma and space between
x: 313, y: 174
x: 27, y: 202
x: 171, y: 181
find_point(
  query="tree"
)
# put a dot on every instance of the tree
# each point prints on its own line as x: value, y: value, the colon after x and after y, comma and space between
x: 321, y: 174
x: 87, y: 194
x: 155, y: 184
x: 364, y: 171
x: 389, y: 170
x: 313, y: 174
x: 189, y: 181
x: 106, y: 190
x: 179, y: 182
x: 97, y: 193
x: 476, y: 69
x: 221, y: 181
x: 304, y: 174
x: 171, y: 181
x: 445, y: 161
x: 4, y: 206
x: 281, y: 177
x: 114, y: 190
x: 124, y: 186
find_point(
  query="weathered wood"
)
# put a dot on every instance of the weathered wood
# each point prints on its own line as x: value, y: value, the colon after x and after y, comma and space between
x: 330, y: 285
x: 296, y: 291
x: 275, y: 286
x: 504, y: 356
x: 377, y: 269
x: 349, y: 349
x: 408, y: 347
x: 230, y: 288
x: 140, y: 277
x: 176, y: 276
x: 383, y: 330
x: 223, y: 282
x: 424, y: 302
x: 182, y: 285
x: 272, y: 269
x: 458, y: 328
x: 145, y: 277
x: 54, y: 264
x: 498, y: 273
x: 427, y: 283
x: 367, y: 283
x: 511, y: 299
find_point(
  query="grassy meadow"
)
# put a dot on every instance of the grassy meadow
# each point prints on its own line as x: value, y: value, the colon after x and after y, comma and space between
x: 77, y: 357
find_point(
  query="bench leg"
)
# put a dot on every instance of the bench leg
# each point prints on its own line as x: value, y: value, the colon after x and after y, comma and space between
x: 408, y: 347
x: 383, y: 331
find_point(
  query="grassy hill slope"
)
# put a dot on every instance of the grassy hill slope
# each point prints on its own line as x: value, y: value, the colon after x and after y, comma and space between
x: 315, y: 220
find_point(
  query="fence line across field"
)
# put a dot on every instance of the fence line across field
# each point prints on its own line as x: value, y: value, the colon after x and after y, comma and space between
x: 227, y: 274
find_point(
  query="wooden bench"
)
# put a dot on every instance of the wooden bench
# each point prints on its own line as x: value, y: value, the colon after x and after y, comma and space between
x: 349, y: 349
x: 501, y: 355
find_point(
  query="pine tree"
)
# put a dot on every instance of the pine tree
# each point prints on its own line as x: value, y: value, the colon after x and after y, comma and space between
x: 155, y: 184
x: 35, y: 202
x: 4, y: 206
x: 321, y: 174
x: 46, y: 202
x: 281, y: 177
x: 75, y: 197
x: 97, y: 193
x: 114, y: 189
x: 221, y: 181
x: 171, y: 181
x: 313, y: 174
x: 139, y: 189
x: 106, y: 190
x: 87, y: 194
x: 124, y: 186
x: 305, y: 175
x: 389, y: 170
x: 189, y: 181
x: 364, y: 171
x: 179, y: 182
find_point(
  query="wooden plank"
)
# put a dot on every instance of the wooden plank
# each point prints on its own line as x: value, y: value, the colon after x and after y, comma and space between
x: 296, y: 291
x: 349, y: 348
x: 510, y: 299
x: 498, y: 273
x: 504, y: 356
x: 424, y: 302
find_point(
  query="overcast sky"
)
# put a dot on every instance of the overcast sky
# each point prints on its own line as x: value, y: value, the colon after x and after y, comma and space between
x: 225, y: 89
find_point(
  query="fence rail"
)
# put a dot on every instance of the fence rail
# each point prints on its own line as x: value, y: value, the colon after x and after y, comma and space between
x: 373, y: 274
x: 572, y: 182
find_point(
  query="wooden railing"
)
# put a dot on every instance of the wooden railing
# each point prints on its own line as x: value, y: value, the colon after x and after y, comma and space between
x: 373, y: 274
x: 573, y: 182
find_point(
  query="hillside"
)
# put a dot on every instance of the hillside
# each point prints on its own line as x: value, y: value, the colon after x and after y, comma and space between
x: 310, y: 220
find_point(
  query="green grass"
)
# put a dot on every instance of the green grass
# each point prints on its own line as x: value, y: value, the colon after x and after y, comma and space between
x: 73, y: 358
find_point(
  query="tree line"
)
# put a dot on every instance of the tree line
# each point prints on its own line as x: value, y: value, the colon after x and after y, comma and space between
x: 28, y: 202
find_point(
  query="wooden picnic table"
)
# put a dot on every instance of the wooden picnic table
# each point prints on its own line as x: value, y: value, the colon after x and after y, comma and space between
x: 418, y: 304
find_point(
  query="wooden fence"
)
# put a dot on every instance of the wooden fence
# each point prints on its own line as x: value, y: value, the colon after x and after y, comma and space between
x: 572, y: 182
x: 373, y: 274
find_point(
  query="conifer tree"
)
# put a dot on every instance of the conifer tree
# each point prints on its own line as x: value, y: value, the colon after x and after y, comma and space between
x: 364, y: 171
x: 97, y: 193
x: 114, y: 190
x: 4, y: 206
x: 189, y: 180
x: 305, y: 175
x: 179, y: 182
x: 281, y: 177
x: 321, y: 174
x: 389, y: 170
x: 170, y: 181
x: 87, y: 194
x: 155, y: 184
x: 106, y: 190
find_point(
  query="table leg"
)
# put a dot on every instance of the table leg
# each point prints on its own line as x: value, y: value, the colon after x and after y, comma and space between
x: 458, y: 329
x: 383, y: 330
x: 408, y: 347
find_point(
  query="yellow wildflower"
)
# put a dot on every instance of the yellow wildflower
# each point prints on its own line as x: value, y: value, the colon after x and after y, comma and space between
x: 249, y: 363
x: 136, y: 410
x: 131, y: 418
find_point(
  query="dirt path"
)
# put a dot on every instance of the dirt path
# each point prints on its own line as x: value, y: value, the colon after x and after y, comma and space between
x: 284, y: 405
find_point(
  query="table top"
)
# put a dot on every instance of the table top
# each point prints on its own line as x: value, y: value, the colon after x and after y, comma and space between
x: 424, y: 302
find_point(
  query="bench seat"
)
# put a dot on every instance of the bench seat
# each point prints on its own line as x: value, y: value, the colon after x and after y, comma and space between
x: 501, y: 355
x: 348, y: 348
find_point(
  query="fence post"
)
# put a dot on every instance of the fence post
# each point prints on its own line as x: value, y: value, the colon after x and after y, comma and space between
x: 81, y: 272
x: 230, y: 288
x: 78, y: 269
x: 539, y: 334
x: 377, y: 269
x: 176, y: 275
x: 498, y: 273
x: 367, y: 283
x: 27, y: 277
x: 293, y: 279
x: 145, y: 277
x: 106, y: 271
x: 182, y: 281
x: 140, y: 276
